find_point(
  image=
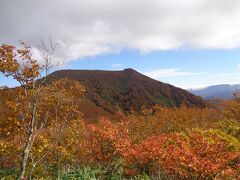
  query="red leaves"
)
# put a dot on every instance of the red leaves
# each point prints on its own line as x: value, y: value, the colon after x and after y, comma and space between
x: 108, y: 140
x: 198, y: 154
x: 144, y: 145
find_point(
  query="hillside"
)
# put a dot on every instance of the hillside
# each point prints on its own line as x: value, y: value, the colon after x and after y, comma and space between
x: 223, y: 91
x: 126, y: 90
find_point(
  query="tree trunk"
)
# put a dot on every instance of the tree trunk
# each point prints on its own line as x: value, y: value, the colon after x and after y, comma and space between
x: 25, y: 156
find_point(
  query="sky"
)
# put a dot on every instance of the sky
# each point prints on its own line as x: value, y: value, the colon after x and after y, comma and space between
x: 187, y: 43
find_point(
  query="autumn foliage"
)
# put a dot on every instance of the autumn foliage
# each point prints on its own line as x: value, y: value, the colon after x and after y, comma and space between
x: 161, y: 142
x: 202, y: 153
x: 191, y: 154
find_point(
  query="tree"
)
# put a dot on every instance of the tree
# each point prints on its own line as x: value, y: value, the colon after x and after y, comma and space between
x: 33, y: 101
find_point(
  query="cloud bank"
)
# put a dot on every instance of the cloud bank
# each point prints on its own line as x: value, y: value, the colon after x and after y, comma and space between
x: 173, y: 72
x: 92, y: 27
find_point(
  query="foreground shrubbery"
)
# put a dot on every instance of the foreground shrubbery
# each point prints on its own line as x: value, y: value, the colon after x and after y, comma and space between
x: 192, y: 154
x: 113, y: 150
x: 43, y: 135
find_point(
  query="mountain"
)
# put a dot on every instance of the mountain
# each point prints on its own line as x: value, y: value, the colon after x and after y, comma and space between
x: 126, y: 91
x: 223, y: 91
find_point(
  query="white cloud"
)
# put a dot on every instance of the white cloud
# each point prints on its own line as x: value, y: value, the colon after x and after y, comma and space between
x: 238, y: 66
x: 174, y: 72
x: 209, y: 80
x: 190, y: 80
x: 116, y: 65
x: 93, y: 27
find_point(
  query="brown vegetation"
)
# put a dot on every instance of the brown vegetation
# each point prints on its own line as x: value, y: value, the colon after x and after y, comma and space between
x: 42, y: 131
x: 127, y: 90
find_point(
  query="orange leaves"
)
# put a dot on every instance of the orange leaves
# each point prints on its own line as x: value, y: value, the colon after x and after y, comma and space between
x: 193, y: 154
x: 9, y: 152
x: 108, y: 140
x: 197, y: 154
x: 162, y: 141
x: 19, y: 64
x: 184, y: 157
x: 8, y: 61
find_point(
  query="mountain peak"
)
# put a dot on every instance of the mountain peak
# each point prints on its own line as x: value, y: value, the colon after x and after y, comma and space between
x: 129, y: 70
x: 128, y: 90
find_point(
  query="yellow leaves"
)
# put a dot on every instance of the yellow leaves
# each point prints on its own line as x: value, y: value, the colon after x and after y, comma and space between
x: 19, y: 64
x: 185, y: 155
x: 142, y: 142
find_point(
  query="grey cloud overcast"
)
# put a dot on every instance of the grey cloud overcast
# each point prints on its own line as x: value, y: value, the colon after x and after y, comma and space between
x: 91, y: 27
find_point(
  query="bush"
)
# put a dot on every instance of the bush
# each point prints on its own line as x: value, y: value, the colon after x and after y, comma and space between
x: 231, y: 127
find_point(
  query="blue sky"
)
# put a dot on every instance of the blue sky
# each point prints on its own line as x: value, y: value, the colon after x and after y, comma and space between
x: 187, y: 43
x: 182, y: 68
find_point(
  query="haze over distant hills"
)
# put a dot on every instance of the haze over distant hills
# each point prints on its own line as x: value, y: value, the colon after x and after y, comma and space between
x: 223, y: 91
x: 126, y: 90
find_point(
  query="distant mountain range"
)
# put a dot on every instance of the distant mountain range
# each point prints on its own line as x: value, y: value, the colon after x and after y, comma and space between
x: 223, y: 91
x: 125, y: 91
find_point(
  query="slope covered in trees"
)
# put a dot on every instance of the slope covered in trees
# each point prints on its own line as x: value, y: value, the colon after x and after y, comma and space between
x: 128, y: 90
x: 43, y: 134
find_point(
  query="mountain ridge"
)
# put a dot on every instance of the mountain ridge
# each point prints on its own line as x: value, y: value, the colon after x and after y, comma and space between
x: 127, y: 90
x: 222, y: 91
